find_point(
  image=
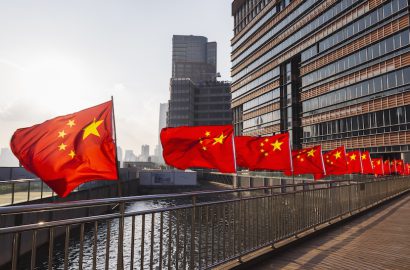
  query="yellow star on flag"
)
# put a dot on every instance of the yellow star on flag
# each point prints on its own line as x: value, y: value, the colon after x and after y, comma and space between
x: 353, y: 157
x: 62, y: 146
x: 71, y: 123
x: 219, y: 139
x: 363, y: 156
x: 276, y: 145
x: 207, y: 134
x: 61, y: 134
x: 337, y: 155
x: 204, y: 148
x: 72, y: 154
x: 311, y: 153
x: 92, y: 129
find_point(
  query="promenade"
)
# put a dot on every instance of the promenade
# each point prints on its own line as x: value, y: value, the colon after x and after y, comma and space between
x: 378, y: 239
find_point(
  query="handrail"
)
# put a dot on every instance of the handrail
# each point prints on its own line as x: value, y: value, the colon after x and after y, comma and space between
x: 17, y: 209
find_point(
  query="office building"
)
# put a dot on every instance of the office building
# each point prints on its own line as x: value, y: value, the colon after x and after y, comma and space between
x: 329, y: 72
x: 196, y: 97
x: 144, y: 153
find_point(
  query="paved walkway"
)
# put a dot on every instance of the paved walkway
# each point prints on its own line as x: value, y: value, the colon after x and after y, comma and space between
x: 379, y: 239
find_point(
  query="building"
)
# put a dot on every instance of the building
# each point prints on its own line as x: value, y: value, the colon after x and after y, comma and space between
x: 193, y: 57
x: 329, y: 72
x: 129, y: 156
x: 196, y: 97
x: 162, y: 123
x: 144, y: 153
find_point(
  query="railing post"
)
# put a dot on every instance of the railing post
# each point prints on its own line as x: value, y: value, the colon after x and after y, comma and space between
x: 193, y: 232
x: 12, y: 193
x: 120, y: 259
x: 42, y: 189
x: 28, y: 190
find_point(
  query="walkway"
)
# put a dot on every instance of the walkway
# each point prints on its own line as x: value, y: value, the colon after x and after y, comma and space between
x: 379, y: 239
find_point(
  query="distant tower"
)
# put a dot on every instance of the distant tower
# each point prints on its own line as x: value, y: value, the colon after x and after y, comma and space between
x: 144, y: 152
x: 196, y: 97
x: 163, y: 110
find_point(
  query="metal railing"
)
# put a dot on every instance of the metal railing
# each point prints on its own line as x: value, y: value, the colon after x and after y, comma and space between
x: 195, y: 230
x: 23, y: 190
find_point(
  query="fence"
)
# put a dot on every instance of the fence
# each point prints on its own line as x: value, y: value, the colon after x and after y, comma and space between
x: 191, y: 230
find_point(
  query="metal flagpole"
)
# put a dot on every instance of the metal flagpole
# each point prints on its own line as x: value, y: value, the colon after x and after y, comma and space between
x: 120, y: 259
x: 119, y: 187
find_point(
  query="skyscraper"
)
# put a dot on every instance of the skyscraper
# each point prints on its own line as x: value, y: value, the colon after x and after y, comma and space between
x: 329, y: 72
x: 144, y: 152
x: 196, y: 97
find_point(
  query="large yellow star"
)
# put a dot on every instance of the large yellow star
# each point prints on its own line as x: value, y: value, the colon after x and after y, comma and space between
x: 337, y: 155
x: 311, y: 153
x: 62, y: 146
x: 363, y: 156
x: 219, y: 139
x: 72, y: 154
x: 353, y: 157
x: 92, y: 129
x: 276, y: 145
x: 71, y: 123
x: 61, y: 134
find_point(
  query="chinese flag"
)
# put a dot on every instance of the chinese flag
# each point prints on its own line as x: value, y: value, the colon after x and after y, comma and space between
x: 335, y: 161
x: 367, y: 163
x: 200, y: 146
x: 264, y: 153
x: 354, y: 162
x: 386, y: 167
x: 407, y: 169
x: 307, y: 161
x: 378, y: 167
x: 399, y: 166
x: 69, y: 150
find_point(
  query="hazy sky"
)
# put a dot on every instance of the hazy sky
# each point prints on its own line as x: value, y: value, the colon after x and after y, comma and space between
x: 60, y: 56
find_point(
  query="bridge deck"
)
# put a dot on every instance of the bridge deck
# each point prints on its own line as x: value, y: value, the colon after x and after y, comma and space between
x: 379, y: 239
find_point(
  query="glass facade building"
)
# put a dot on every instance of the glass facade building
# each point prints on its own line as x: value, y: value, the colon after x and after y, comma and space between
x: 330, y: 72
x: 196, y: 97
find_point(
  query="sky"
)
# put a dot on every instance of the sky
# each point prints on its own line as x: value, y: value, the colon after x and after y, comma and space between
x: 58, y: 57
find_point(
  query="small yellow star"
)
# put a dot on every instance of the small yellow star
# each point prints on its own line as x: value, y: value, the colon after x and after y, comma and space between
x: 311, y: 153
x: 72, y: 154
x: 378, y: 162
x: 62, y: 147
x: 353, y: 157
x: 71, y: 123
x: 262, y: 144
x: 219, y: 139
x: 337, y: 155
x: 266, y: 140
x: 266, y: 154
x: 92, y: 129
x: 204, y: 148
x: 276, y: 145
x: 201, y: 141
x: 262, y: 150
x: 302, y: 159
x: 298, y: 156
x: 61, y: 134
x: 331, y: 162
x: 207, y: 134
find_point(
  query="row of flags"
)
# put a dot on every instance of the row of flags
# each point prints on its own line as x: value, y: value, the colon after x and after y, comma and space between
x: 215, y: 147
x: 70, y: 150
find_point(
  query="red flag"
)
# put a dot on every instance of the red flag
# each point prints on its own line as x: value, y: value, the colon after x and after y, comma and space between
x: 69, y: 150
x: 307, y: 161
x: 264, y: 153
x: 407, y: 169
x: 367, y: 163
x: 399, y: 164
x: 201, y: 146
x: 335, y: 161
x: 378, y: 167
x: 354, y: 162
x: 386, y: 167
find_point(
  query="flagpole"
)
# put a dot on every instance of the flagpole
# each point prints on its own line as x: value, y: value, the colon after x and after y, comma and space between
x: 234, y: 158
x: 119, y: 187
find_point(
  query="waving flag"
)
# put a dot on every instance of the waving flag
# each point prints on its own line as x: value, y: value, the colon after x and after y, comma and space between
x: 264, y: 153
x: 354, y: 162
x: 308, y: 161
x: 378, y: 167
x: 69, y: 150
x: 367, y: 163
x: 387, y: 167
x: 199, y: 147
